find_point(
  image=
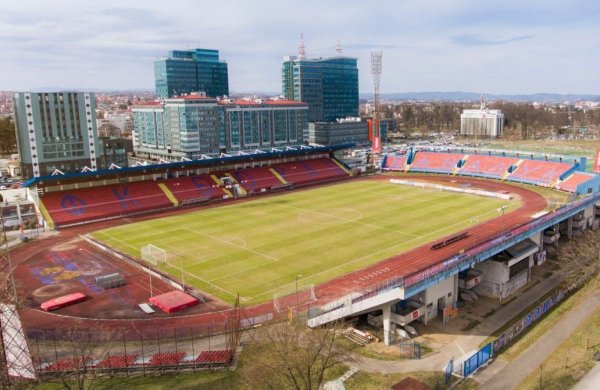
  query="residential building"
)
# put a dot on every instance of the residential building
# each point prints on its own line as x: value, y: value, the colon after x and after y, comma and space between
x: 482, y: 122
x: 56, y: 132
x: 328, y: 85
x: 194, y: 125
x: 346, y: 130
x: 186, y: 71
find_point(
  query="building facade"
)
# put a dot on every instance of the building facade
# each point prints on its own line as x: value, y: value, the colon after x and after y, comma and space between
x: 186, y: 71
x: 196, y: 125
x: 328, y: 85
x: 56, y: 132
x: 481, y: 123
x: 342, y: 131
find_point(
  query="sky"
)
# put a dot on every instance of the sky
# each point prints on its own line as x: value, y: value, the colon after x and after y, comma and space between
x: 496, y: 47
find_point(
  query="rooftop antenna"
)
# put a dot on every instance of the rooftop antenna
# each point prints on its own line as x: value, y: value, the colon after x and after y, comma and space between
x: 301, y: 52
x: 338, y: 48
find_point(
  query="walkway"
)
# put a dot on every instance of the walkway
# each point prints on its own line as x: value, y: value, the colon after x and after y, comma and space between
x: 515, y: 372
x: 464, y: 344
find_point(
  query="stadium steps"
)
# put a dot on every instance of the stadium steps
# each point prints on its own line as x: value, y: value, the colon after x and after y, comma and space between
x: 507, y: 173
x: 242, y: 189
x: 458, y: 168
x: 46, y: 214
x: 278, y: 176
x: 217, y: 180
x: 339, y: 164
x: 220, y: 184
x: 169, y: 194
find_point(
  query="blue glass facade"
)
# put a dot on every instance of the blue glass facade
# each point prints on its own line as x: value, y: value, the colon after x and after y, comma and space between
x: 183, y: 72
x: 329, y: 86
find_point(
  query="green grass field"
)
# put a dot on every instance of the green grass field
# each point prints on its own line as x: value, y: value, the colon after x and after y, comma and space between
x: 258, y: 248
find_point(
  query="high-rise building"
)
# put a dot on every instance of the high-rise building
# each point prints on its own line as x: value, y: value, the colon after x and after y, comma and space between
x: 192, y: 125
x: 328, y: 85
x: 186, y: 71
x: 56, y: 132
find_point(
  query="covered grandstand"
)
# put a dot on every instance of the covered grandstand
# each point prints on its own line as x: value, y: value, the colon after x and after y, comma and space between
x: 84, y: 197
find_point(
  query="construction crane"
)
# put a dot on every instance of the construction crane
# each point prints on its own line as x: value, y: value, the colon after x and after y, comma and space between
x: 376, y: 65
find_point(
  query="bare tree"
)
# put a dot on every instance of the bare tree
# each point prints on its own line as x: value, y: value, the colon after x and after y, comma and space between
x: 292, y: 356
x: 75, y: 355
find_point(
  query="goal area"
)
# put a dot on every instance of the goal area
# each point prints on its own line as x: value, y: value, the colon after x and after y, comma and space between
x: 153, y: 254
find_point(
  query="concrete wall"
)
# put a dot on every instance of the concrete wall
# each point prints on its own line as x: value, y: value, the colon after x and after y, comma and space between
x: 447, y: 289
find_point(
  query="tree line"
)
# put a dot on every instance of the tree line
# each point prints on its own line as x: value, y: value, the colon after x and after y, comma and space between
x: 8, y: 138
x: 521, y: 120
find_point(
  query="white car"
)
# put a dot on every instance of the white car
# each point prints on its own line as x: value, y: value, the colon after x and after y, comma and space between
x: 3, y: 188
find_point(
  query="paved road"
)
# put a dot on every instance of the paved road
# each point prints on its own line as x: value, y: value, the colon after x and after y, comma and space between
x: 466, y: 343
x: 513, y: 373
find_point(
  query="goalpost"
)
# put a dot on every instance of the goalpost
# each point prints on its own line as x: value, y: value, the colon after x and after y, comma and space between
x: 153, y: 254
x: 294, y: 300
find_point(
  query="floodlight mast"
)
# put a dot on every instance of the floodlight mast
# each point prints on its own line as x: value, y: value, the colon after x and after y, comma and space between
x: 376, y: 67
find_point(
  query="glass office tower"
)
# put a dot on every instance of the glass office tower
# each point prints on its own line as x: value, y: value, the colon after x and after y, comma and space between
x: 186, y: 71
x: 328, y: 85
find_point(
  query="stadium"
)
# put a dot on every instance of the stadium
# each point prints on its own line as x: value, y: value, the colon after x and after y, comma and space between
x: 220, y: 244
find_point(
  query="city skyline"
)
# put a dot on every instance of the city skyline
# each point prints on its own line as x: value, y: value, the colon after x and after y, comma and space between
x: 507, y: 48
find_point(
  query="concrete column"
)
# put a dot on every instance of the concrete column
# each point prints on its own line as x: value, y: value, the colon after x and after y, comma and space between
x: 570, y: 228
x: 387, y: 324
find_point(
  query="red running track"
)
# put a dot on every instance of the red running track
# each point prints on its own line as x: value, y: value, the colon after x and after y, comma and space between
x: 404, y: 265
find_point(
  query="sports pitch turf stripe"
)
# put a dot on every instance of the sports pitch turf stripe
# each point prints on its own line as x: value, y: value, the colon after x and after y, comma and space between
x: 320, y: 233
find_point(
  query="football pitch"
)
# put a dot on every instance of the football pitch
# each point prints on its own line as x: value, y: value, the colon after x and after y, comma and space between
x: 262, y: 247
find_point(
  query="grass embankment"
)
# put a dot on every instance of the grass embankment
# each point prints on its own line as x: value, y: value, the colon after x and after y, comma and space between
x: 571, y: 360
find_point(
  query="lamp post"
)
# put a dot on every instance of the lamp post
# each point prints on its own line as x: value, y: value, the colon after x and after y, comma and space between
x: 501, y: 210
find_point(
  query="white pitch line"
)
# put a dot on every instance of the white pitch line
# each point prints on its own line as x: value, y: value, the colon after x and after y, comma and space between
x: 245, y: 270
x: 349, y: 220
x: 232, y: 244
x: 110, y: 236
x: 363, y: 257
x: 200, y: 279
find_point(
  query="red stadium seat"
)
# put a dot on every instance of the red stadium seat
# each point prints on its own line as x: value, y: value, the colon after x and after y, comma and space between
x: 118, y: 361
x: 194, y: 188
x: 310, y: 171
x: 214, y: 357
x: 395, y: 163
x: 256, y: 179
x: 89, y: 204
x: 487, y: 166
x: 573, y: 181
x: 166, y: 359
x: 539, y: 172
x: 435, y: 162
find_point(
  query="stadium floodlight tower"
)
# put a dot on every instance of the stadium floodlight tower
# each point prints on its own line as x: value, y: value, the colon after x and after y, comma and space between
x: 376, y: 67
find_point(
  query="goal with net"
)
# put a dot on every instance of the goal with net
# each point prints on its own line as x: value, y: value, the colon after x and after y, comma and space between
x: 153, y: 254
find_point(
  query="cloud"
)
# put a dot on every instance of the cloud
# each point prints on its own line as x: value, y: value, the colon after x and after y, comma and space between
x: 478, y: 40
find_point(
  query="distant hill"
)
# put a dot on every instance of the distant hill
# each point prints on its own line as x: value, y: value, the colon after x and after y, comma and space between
x: 472, y: 96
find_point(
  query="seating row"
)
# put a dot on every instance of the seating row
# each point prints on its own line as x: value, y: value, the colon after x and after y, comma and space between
x: 538, y: 172
x: 95, y: 203
x: 132, y: 361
